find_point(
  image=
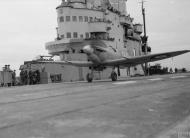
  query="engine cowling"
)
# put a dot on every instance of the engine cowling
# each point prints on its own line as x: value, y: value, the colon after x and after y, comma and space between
x: 91, y: 54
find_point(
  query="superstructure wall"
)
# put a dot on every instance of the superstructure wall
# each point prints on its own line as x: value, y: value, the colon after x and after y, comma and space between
x: 79, y: 23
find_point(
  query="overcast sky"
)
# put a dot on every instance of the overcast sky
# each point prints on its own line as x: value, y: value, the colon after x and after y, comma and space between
x: 26, y: 25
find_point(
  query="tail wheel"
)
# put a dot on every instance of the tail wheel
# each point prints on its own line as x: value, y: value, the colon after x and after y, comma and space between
x: 114, y: 76
x: 89, y: 77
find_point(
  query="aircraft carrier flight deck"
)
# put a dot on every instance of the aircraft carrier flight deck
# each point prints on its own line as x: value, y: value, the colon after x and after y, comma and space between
x: 144, y: 107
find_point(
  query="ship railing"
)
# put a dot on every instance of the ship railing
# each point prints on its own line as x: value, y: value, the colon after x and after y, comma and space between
x: 98, y: 20
x: 99, y: 38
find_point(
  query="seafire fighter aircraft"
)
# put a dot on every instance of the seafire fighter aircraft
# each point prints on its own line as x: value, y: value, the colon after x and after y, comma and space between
x: 101, y: 56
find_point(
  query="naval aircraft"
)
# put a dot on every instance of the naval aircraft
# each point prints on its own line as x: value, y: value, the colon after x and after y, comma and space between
x: 101, y: 56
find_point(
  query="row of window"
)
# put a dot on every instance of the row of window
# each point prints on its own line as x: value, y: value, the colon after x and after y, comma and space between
x: 75, y: 18
x: 75, y: 35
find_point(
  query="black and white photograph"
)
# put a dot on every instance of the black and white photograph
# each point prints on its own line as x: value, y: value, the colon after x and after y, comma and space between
x: 94, y: 69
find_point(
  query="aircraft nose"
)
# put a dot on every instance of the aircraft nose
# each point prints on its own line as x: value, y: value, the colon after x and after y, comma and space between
x: 88, y: 49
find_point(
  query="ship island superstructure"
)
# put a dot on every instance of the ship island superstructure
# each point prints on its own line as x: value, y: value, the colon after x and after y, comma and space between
x: 82, y: 22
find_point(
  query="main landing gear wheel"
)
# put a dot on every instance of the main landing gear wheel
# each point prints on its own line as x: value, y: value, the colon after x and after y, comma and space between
x: 114, y: 76
x: 89, y: 77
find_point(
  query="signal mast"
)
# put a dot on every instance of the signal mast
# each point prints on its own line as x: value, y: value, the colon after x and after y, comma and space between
x: 145, y: 37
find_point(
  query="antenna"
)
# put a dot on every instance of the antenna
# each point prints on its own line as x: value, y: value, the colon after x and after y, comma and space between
x: 118, y: 5
x: 144, y: 38
x: 144, y: 17
x: 142, y: 2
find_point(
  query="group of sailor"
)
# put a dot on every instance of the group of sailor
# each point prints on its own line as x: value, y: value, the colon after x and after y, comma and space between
x: 29, y: 77
x: 7, y: 77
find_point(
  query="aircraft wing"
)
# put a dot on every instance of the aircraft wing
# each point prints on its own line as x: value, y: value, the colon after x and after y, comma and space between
x: 132, y: 61
x: 125, y: 61
x: 73, y: 63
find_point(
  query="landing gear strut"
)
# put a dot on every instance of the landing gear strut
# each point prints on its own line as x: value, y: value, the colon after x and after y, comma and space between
x: 114, y: 76
x: 89, y: 77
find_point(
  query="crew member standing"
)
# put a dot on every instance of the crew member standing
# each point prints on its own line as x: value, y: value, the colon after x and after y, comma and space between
x: 14, y: 78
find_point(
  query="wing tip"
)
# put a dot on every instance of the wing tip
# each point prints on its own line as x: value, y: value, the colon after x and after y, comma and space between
x: 186, y: 51
x: 183, y: 51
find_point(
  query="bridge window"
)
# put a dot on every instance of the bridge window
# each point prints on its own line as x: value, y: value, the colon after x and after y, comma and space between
x: 68, y: 18
x: 80, y: 19
x: 75, y: 34
x: 74, y: 18
x: 87, y: 35
x: 61, y: 19
x: 68, y: 35
x: 134, y: 52
x: 86, y: 18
